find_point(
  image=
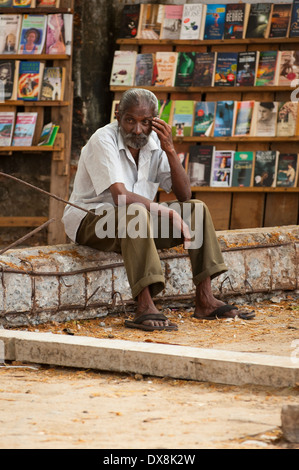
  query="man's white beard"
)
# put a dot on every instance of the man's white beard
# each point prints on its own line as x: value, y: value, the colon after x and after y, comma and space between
x: 134, y: 141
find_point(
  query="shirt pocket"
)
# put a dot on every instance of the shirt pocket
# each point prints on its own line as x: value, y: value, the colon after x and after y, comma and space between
x: 146, y: 188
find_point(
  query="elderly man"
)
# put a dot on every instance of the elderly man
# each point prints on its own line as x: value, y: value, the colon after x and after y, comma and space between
x: 119, y: 172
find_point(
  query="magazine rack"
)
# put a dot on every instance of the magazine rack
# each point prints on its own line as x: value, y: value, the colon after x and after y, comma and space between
x: 60, y: 114
x: 233, y: 207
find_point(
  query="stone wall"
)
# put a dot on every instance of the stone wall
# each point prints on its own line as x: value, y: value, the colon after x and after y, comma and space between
x: 73, y: 282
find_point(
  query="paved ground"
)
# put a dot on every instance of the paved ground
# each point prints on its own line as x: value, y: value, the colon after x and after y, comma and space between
x: 48, y: 407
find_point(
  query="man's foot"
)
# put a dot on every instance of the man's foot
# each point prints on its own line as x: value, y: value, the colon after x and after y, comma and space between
x: 148, y: 321
x: 207, y: 307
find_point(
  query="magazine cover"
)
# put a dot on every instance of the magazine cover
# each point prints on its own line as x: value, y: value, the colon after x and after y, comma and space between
x: 185, y: 69
x: 287, y: 170
x: 265, y: 168
x: 199, y: 164
x: 287, y: 118
x: 203, y: 118
x: 8, y: 77
x: 215, y: 18
x: 144, y: 69
x: 224, y: 117
x: 264, y: 119
x: 33, y: 34
x: 246, y: 68
x: 24, y: 129
x: 182, y: 120
x: 222, y: 168
x: 30, y: 78
x: 172, y: 22
x: 7, y: 120
x: 243, y: 117
x: 204, y: 69
x: 123, y: 68
x: 129, y: 21
x: 243, y: 169
x: 226, y: 69
x: 10, y: 27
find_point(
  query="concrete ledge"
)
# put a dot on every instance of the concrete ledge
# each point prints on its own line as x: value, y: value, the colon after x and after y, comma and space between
x: 205, y: 365
x: 67, y: 282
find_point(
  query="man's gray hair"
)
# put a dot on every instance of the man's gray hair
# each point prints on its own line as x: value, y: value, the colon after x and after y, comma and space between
x: 138, y: 97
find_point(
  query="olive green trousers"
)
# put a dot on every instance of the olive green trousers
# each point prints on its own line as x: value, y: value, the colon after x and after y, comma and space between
x: 137, y: 235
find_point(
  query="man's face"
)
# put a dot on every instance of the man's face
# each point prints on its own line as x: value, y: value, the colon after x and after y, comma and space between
x: 265, y: 113
x: 136, y: 125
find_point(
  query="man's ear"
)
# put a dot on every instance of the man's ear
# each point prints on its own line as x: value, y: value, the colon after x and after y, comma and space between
x: 117, y: 116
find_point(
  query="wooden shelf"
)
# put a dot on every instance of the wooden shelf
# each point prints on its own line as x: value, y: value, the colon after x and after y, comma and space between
x: 37, y: 57
x: 35, y: 10
x: 229, y: 42
x: 239, y: 138
x: 22, y: 221
x: 237, y: 189
x: 208, y: 89
x: 34, y: 103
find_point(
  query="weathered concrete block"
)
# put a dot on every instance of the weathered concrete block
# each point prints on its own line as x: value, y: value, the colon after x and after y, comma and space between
x: 17, y: 292
x: 99, y: 286
x: 290, y: 422
x: 46, y: 292
x: 283, y: 267
x: 233, y: 281
x: 72, y: 290
x: 178, y: 276
x: 121, y: 283
x: 258, y: 270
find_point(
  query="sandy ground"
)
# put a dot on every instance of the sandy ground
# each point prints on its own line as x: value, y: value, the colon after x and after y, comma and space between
x: 55, y: 408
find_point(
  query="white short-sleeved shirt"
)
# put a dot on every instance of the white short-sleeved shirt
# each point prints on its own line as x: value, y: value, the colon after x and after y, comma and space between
x: 106, y: 160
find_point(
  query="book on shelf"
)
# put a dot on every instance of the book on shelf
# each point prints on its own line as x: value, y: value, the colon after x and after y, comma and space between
x: 267, y: 73
x: 129, y: 21
x: 246, y: 68
x: 114, y: 109
x: 23, y: 3
x: 222, y: 166
x: 265, y: 168
x: 280, y: 20
x: 258, y: 20
x: 165, y: 110
x: 288, y: 68
x: 47, y: 3
x: 165, y: 69
x: 243, y: 118
x: 9, y: 70
x: 59, y: 32
x: 287, y: 119
x: 33, y: 34
x: 243, y: 169
x: 185, y: 69
x: 150, y: 21
x: 200, y: 164
x: 30, y: 80
x: 193, y: 21
x: 287, y: 170
x: 7, y: 120
x: 48, y: 134
x: 144, y: 69
x: 214, y: 22
x: 224, y: 118
x: 184, y: 157
x: 53, y: 135
x: 226, y: 69
x: 123, y: 68
x: 264, y: 119
x: 294, y: 23
x: 236, y: 18
x: 204, y: 69
x: 204, y: 113
x: 182, y: 118
x: 53, y: 82
x: 172, y: 22
x: 24, y: 129
x: 10, y: 28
